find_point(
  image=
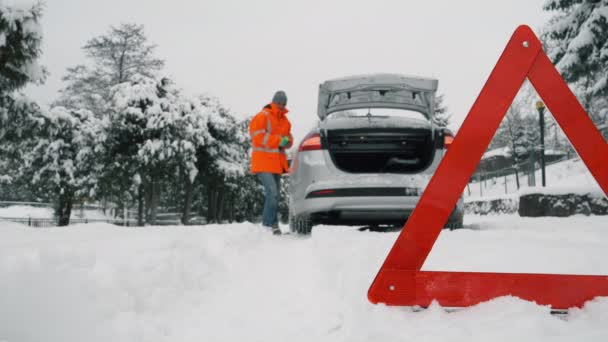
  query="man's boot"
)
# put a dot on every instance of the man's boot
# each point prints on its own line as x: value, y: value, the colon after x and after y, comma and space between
x: 276, y: 230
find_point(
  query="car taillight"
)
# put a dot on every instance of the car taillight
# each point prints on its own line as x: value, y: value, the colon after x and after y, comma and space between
x: 311, y: 142
x: 447, y: 140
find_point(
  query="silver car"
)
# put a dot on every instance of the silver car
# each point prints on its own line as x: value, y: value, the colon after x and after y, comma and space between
x: 371, y: 155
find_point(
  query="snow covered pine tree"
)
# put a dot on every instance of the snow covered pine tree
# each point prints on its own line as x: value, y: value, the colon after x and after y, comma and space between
x: 20, y: 41
x: 577, y: 41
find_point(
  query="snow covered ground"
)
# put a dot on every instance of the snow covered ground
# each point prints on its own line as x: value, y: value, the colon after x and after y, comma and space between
x: 235, y: 282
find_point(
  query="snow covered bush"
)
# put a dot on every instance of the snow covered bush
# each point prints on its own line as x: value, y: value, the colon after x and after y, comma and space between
x: 227, y: 183
x: 136, y: 155
x: 17, y: 114
x: 561, y: 205
x: 63, y: 161
x: 492, y: 206
x: 166, y: 151
x: 155, y: 136
x: 18, y: 118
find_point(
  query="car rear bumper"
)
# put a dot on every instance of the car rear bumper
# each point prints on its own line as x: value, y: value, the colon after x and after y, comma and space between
x: 362, y: 203
x: 358, y: 210
x: 363, y: 210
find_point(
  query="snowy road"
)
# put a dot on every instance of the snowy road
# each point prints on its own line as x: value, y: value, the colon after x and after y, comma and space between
x: 235, y: 282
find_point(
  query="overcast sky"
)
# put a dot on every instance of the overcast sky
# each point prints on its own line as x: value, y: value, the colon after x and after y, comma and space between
x: 242, y: 51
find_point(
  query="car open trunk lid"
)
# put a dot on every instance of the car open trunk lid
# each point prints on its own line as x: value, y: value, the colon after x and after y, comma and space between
x: 377, y: 91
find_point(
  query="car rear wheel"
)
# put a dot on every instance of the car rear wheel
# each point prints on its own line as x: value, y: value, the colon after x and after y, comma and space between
x: 300, y: 224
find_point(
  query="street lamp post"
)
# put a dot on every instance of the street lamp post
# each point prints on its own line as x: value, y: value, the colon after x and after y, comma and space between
x: 540, y: 106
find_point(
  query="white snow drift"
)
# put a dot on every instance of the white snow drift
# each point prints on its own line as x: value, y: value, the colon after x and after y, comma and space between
x: 239, y: 283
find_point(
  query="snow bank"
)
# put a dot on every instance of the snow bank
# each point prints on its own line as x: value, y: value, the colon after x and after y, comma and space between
x: 25, y: 211
x: 502, y: 152
x: 237, y: 283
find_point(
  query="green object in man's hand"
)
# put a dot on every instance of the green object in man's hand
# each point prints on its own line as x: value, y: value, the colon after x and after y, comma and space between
x: 284, y: 141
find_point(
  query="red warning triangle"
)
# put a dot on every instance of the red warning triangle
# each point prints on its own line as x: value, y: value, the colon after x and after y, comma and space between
x: 400, y: 280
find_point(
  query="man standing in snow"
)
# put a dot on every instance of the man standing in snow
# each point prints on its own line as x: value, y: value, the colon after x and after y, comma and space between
x: 270, y: 132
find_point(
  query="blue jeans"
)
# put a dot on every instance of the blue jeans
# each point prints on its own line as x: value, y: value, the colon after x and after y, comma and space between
x: 272, y: 195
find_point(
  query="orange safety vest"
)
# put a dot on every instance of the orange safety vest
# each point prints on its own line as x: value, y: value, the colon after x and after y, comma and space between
x: 266, y: 130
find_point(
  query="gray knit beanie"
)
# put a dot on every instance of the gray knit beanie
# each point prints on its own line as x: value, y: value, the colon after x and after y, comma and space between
x: 280, y: 98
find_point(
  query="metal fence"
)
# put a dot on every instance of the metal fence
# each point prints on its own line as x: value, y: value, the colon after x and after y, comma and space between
x: 131, y: 220
x: 524, y: 171
x: 169, y: 218
x: 48, y: 223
